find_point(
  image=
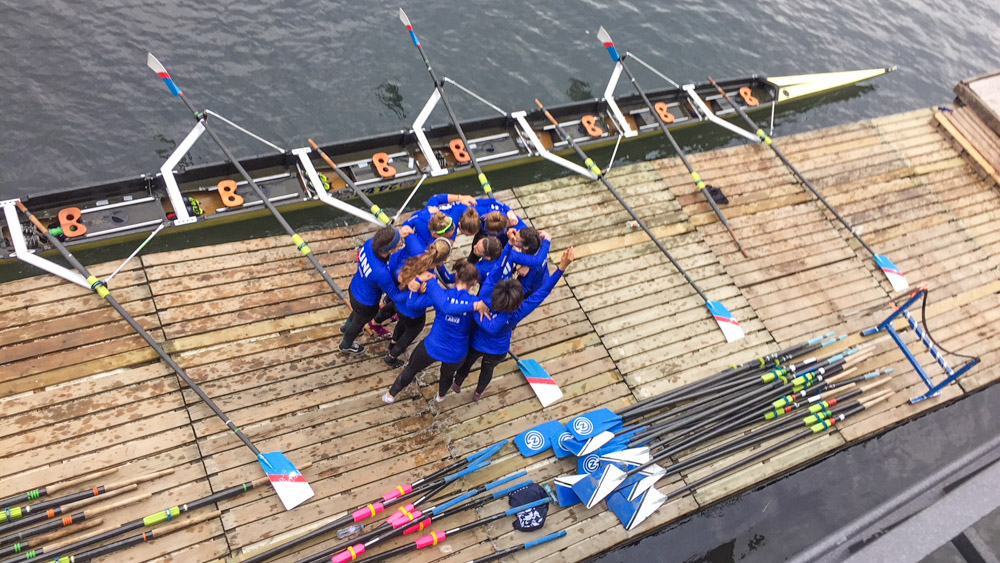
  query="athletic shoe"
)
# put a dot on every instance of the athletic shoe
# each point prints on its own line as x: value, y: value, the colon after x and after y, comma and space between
x: 355, y: 348
x: 379, y: 331
x: 394, y: 363
x: 387, y: 398
x: 438, y: 398
x: 476, y: 396
x: 456, y: 388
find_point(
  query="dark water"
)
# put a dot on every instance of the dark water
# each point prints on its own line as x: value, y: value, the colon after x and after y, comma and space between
x: 81, y: 107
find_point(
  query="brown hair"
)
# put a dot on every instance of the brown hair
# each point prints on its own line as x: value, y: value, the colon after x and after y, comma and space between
x: 466, y: 272
x: 530, y: 241
x: 469, y: 222
x: 382, y: 237
x: 492, y: 248
x: 507, y: 296
x: 495, y: 222
x: 441, y: 225
x: 434, y: 256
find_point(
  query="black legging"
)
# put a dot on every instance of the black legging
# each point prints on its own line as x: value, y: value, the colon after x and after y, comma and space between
x: 490, y: 361
x: 419, y: 360
x: 386, y: 312
x: 406, y: 331
x: 360, y: 316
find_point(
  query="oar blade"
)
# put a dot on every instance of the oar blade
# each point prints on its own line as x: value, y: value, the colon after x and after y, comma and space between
x: 727, y: 322
x: 161, y: 71
x: 545, y: 388
x: 592, y: 423
x: 585, y: 447
x: 594, y: 487
x: 564, y: 489
x: 536, y: 440
x: 894, y: 274
x: 288, y: 482
x: 403, y: 18
x: 632, y: 513
x: 605, y: 38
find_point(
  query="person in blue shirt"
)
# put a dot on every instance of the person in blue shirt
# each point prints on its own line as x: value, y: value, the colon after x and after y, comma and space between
x: 448, y: 340
x: 491, y: 336
x: 460, y: 208
x: 488, y: 250
x: 525, y: 257
x: 370, y: 282
x: 497, y: 221
x: 412, y: 311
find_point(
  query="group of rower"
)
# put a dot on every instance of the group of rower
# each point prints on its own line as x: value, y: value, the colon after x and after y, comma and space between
x: 402, y: 272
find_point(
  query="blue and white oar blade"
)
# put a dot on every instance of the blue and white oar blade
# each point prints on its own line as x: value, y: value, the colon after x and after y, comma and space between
x: 545, y: 388
x: 564, y: 489
x: 592, y: 423
x: 647, y: 478
x: 588, y: 446
x: 594, y: 487
x: 158, y: 68
x: 632, y: 513
x: 605, y: 38
x: 559, y: 445
x: 727, y: 322
x: 536, y: 440
x: 894, y: 274
x: 288, y: 482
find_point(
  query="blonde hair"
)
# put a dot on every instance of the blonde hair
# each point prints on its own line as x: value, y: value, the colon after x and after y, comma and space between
x: 441, y: 225
x: 495, y: 222
x: 435, y: 255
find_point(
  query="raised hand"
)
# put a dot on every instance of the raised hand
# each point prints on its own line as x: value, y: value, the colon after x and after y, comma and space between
x: 567, y: 258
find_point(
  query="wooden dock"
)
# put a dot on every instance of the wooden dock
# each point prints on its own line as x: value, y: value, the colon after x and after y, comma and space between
x: 257, y: 328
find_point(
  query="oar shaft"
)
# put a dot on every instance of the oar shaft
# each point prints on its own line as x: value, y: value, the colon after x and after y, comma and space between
x: 769, y: 142
x: 376, y: 210
x: 642, y: 224
x: 34, y: 494
x: 103, y: 291
x: 677, y: 148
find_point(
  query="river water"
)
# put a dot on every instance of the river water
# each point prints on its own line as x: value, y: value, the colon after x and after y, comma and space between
x: 80, y: 108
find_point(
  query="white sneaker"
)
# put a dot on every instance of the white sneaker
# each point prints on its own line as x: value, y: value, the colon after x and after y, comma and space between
x: 387, y: 398
x: 438, y: 398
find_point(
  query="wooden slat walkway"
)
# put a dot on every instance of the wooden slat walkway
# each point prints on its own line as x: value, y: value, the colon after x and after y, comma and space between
x: 257, y: 328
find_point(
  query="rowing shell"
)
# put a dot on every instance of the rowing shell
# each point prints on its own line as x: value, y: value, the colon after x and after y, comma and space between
x: 298, y: 178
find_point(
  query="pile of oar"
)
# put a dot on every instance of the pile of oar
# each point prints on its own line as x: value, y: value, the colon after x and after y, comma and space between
x: 410, y: 515
x: 621, y: 455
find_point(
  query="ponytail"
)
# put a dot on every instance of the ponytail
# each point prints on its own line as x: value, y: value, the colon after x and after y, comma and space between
x: 434, y: 256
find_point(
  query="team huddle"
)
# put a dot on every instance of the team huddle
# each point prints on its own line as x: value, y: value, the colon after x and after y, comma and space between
x: 402, y: 273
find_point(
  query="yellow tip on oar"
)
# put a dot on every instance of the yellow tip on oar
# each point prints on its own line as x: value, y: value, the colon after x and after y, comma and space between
x: 98, y: 286
x: 301, y: 245
x: 485, y: 184
x: 377, y: 212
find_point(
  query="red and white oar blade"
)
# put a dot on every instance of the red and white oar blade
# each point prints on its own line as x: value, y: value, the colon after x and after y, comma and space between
x: 545, y: 388
x: 894, y: 274
x: 727, y: 322
x: 160, y: 71
x: 288, y: 482
x: 603, y: 36
x: 403, y: 18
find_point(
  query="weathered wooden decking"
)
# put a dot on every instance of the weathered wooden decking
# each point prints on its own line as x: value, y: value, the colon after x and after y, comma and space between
x: 257, y: 328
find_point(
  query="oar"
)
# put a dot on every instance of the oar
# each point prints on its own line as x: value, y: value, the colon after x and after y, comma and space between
x: 300, y: 244
x: 376, y: 210
x: 71, y: 519
x: 45, y: 540
x: 35, y: 494
x: 537, y: 439
x: 631, y: 513
x: 413, y: 522
x: 439, y: 86
x: 526, y: 545
x: 144, y: 537
x: 605, y: 38
x: 287, y: 481
x: 729, y: 325
x: 895, y: 276
x: 545, y: 388
x: 435, y: 538
x: 149, y: 520
x: 445, y: 476
x: 65, y: 508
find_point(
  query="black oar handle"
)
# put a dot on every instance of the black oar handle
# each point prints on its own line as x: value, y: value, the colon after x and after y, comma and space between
x: 376, y: 210
x: 642, y: 224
